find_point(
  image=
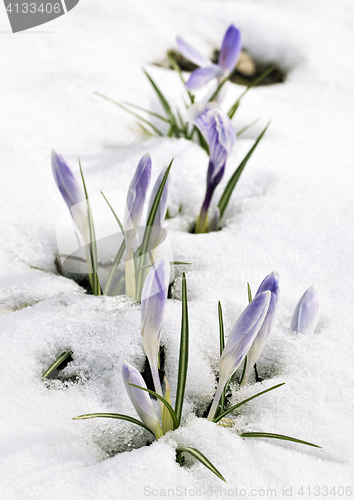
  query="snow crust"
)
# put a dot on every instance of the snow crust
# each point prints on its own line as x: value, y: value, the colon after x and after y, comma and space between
x: 292, y: 211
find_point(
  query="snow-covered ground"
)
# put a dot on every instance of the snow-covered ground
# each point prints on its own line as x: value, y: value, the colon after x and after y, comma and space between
x: 292, y: 211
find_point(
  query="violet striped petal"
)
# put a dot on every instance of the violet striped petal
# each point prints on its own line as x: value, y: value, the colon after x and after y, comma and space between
x: 271, y: 283
x: 136, y: 198
x: 202, y: 76
x: 239, y: 342
x: 140, y: 399
x: 307, y: 313
x: 153, y: 301
x: 192, y: 54
x: 230, y: 49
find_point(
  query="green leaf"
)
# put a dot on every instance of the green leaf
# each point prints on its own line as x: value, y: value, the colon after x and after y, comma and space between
x: 229, y: 410
x: 95, y: 284
x: 246, y: 127
x: 163, y: 400
x: 114, y: 415
x: 222, y: 347
x: 225, y: 197
x: 178, y: 263
x: 57, y: 363
x: 119, y: 255
x: 152, y: 113
x: 199, y: 456
x: 183, y: 352
x: 249, y: 293
x: 219, y: 87
x: 258, y: 80
x: 177, y: 68
x: 277, y: 436
x: 171, y: 118
x: 155, y: 129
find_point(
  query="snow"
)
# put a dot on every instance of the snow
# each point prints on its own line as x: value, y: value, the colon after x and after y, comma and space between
x: 291, y: 212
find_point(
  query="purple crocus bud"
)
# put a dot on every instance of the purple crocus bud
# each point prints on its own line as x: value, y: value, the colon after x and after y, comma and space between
x: 161, y: 210
x: 153, y: 301
x: 136, y: 199
x: 229, y: 54
x: 271, y: 283
x: 141, y: 399
x: 219, y: 133
x: 71, y: 190
x: 307, y: 313
x: 239, y: 342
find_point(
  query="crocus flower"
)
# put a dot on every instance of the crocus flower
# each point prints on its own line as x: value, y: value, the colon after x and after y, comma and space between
x: 153, y: 301
x: 220, y: 135
x: 239, y: 342
x: 132, y: 217
x: 136, y: 199
x: 307, y: 313
x: 141, y: 399
x: 229, y: 54
x: 271, y: 283
x: 72, y: 191
x: 161, y: 210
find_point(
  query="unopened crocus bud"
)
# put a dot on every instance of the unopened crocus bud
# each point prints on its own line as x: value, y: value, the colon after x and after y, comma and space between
x: 307, y: 313
x: 156, y: 234
x: 219, y: 133
x: 239, y: 342
x: 136, y: 199
x: 72, y: 191
x: 271, y: 283
x: 141, y: 399
x: 153, y: 301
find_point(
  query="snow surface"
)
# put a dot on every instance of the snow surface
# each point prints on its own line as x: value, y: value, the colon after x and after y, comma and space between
x: 292, y: 211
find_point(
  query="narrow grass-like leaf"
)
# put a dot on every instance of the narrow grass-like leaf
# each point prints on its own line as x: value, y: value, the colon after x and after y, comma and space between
x: 219, y: 87
x: 155, y: 129
x: 177, y: 68
x: 178, y: 263
x: 277, y: 436
x: 258, y: 80
x: 164, y: 401
x: 114, y: 415
x: 221, y: 406
x: 56, y: 363
x: 199, y: 456
x: 152, y: 113
x: 229, y: 410
x: 172, y: 120
x: 202, y: 142
x: 183, y: 352
x: 120, y: 252
x: 225, y: 197
x: 246, y: 127
x: 249, y: 291
x: 96, y: 288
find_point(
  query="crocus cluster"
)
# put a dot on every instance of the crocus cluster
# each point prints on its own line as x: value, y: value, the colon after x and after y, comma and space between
x: 74, y: 195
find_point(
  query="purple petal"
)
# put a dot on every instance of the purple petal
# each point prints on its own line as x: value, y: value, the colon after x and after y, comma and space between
x: 306, y: 313
x: 192, y: 54
x: 140, y: 399
x: 243, y: 334
x: 153, y: 301
x: 270, y: 283
x: 136, y: 198
x: 69, y: 186
x: 230, y: 49
x: 202, y: 76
